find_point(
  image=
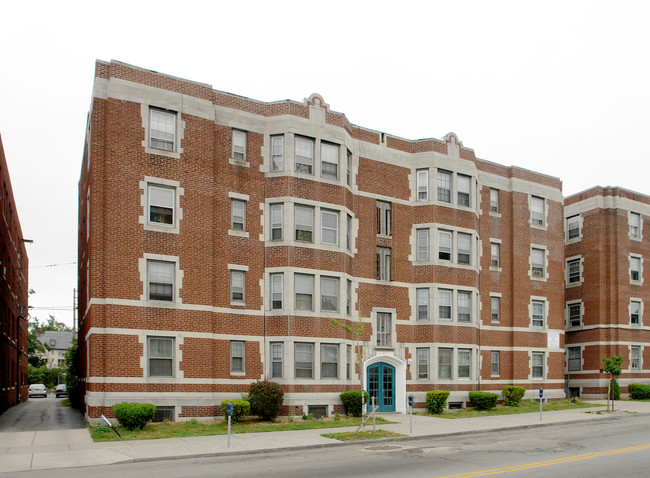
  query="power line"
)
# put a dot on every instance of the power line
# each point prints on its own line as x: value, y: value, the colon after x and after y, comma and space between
x: 53, y: 265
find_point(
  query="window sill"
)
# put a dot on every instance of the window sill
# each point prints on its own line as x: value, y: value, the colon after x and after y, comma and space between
x: 237, y: 233
x: 495, y: 214
x: 541, y: 227
x: 573, y: 240
x: 495, y: 269
x: 237, y: 374
x: 237, y: 303
x: 574, y: 284
x: 635, y: 238
x: 239, y: 162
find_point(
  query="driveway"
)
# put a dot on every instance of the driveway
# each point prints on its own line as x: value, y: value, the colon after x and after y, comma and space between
x: 41, y: 414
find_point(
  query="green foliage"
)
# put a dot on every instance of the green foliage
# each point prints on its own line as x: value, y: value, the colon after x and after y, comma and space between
x: 134, y: 416
x: 44, y: 375
x: 615, y: 390
x: 512, y: 395
x: 436, y: 401
x: 337, y: 417
x: 613, y: 365
x: 72, y: 374
x: 240, y: 409
x: 639, y: 391
x: 35, y: 349
x: 352, y: 402
x: 483, y: 400
x: 266, y: 399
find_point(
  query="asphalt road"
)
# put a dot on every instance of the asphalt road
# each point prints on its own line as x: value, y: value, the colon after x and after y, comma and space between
x: 40, y: 414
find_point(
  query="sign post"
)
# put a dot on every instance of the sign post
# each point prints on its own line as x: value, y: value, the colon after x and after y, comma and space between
x: 229, y: 410
x: 411, y: 400
x: 541, y: 394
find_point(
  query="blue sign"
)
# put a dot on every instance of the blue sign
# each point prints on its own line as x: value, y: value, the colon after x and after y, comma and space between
x: 541, y: 392
x: 229, y: 409
x: 411, y: 400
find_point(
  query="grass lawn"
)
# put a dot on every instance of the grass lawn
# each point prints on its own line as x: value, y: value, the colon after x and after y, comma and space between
x: 527, y: 406
x: 220, y: 427
x: 358, y: 436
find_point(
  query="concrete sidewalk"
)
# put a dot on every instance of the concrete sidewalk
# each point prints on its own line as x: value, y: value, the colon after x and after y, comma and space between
x: 24, y: 451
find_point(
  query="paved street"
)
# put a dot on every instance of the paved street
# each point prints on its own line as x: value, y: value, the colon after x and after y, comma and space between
x: 40, y: 414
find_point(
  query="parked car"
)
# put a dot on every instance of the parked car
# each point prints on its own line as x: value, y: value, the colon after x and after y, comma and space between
x: 37, y: 390
x: 61, y: 390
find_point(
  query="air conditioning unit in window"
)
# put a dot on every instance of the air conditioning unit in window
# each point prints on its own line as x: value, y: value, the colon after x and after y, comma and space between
x: 538, y: 273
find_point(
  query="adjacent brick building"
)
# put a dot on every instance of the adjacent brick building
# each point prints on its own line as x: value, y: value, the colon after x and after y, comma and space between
x: 13, y: 297
x: 219, y: 236
x: 605, y: 288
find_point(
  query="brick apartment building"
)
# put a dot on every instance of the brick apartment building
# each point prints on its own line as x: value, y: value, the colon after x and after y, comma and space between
x: 605, y: 288
x: 13, y: 297
x: 219, y: 235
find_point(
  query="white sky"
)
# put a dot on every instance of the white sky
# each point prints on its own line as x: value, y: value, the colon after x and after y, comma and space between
x: 560, y: 87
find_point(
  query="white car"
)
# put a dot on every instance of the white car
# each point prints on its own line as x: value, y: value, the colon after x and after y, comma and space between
x: 37, y: 390
x: 61, y: 390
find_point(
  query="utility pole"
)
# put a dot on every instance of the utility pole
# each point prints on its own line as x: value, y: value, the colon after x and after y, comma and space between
x: 74, y: 310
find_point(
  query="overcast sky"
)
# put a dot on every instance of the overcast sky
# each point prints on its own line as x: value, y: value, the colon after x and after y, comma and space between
x: 560, y: 87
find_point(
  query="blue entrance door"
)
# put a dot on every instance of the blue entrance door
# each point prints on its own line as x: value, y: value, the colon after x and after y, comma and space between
x: 381, y: 385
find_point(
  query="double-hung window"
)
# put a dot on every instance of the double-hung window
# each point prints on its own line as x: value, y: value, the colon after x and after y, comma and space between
x: 573, y: 271
x: 494, y: 200
x: 444, y: 245
x: 383, y: 263
x: 444, y: 186
x: 160, y: 280
x: 422, y: 244
x: 445, y: 362
x: 348, y: 363
x: 304, y: 223
x: 495, y: 309
x: 538, y: 359
x: 635, y: 312
x: 239, y: 145
x: 574, y: 359
x: 348, y: 295
x: 161, y: 356
x: 277, y: 357
x: 575, y: 314
x: 304, y: 155
x: 464, y: 306
x: 304, y: 286
x: 635, y: 269
x: 494, y: 254
x: 329, y: 160
x: 329, y: 223
x: 495, y: 363
x: 277, y: 220
x: 537, y: 211
x: 422, y: 299
x: 422, y: 354
x: 463, y: 189
x: 237, y: 215
x: 538, y: 263
x: 277, y: 153
x: 422, y: 176
x: 329, y: 291
x: 237, y: 286
x: 635, y: 224
x: 573, y: 227
x: 635, y: 357
x: 277, y: 291
x: 464, y: 248
x: 329, y: 361
x: 464, y: 363
x: 162, y: 202
x: 384, y: 329
x: 444, y: 304
x: 538, y: 309
x: 384, y: 218
x: 349, y: 171
x: 304, y: 364
x: 162, y: 129
x: 237, y: 356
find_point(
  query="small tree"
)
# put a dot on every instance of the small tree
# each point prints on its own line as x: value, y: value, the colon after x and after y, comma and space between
x: 612, y: 366
x: 265, y: 399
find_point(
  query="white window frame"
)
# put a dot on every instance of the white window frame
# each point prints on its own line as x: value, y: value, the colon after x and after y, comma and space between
x: 574, y: 228
x: 422, y: 184
x: 276, y: 290
x: 325, y: 230
x: 444, y: 186
x: 153, y: 202
x: 384, y: 255
x: 535, y: 315
x: 324, y: 363
x: 168, y: 264
x: 464, y: 363
x: 157, y: 139
x: 348, y: 361
x: 444, y: 366
x: 348, y: 233
x: 464, y: 190
x: 304, y: 164
x: 495, y: 299
x: 495, y: 363
x: 538, y: 211
x: 494, y: 201
x: 541, y: 357
x: 308, y: 347
x: 348, y: 295
x: 444, y: 249
x: 635, y: 362
x: 277, y: 152
x: 639, y: 272
x: 537, y: 272
x: 638, y: 305
x: 334, y: 285
x: 276, y: 350
x: 237, y: 286
x: 635, y: 225
x: 447, y: 303
x: 239, y: 142
x: 237, y: 215
x: 170, y: 358
x: 422, y: 303
x: 384, y: 330
x: 237, y: 357
x: 327, y: 149
x: 349, y: 168
x: 572, y: 262
x: 146, y: 202
x: 464, y: 306
x: 422, y: 244
x: 570, y: 320
x: 574, y: 364
x: 422, y: 362
x: 384, y: 218
x: 495, y: 255
x: 277, y: 222
x: 464, y: 251
x: 306, y: 227
x: 306, y: 289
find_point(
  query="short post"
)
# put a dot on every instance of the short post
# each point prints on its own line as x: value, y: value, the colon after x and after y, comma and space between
x: 411, y: 400
x: 373, y: 414
x: 541, y: 394
x: 229, y: 411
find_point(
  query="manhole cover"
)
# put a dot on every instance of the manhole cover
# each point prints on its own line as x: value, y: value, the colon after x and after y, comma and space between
x: 383, y: 447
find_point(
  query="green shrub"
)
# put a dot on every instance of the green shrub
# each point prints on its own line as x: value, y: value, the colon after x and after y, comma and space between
x: 639, y: 391
x: 266, y: 399
x: 134, y: 416
x: 352, y: 402
x: 512, y: 395
x: 436, y: 401
x: 240, y: 409
x: 483, y: 400
x: 615, y: 390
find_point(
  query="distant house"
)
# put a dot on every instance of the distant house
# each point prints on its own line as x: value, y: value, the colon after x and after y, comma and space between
x: 56, y: 344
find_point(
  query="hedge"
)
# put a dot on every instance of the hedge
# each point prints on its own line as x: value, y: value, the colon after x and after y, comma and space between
x: 266, y: 399
x: 639, y: 391
x: 241, y: 409
x: 134, y: 416
x: 436, y: 401
x: 615, y: 390
x: 352, y: 402
x: 483, y: 400
x: 512, y: 395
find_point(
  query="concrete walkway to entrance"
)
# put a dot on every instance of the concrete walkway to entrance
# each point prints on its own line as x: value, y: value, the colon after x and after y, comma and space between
x: 24, y: 451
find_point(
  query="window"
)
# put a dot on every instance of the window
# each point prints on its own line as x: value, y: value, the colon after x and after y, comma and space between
x: 237, y: 215
x: 538, y: 365
x: 494, y: 254
x: 384, y: 327
x: 348, y: 354
x: 277, y: 220
x: 574, y: 359
x: 444, y: 245
x: 237, y: 286
x: 538, y: 307
x: 383, y: 263
x: 160, y: 280
x: 635, y: 312
x: 635, y: 357
x: 445, y: 363
x: 495, y: 363
x: 236, y: 356
x: 329, y: 159
x: 329, y: 361
x: 304, y: 360
x: 277, y: 153
x: 464, y: 363
x: 161, y: 356
x: 422, y: 184
x: 575, y: 313
x: 422, y: 354
x: 348, y: 302
x: 422, y: 300
x: 444, y: 186
x: 495, y: 309
x: 635, y: 269
x: 238, y: 145
x: 162, y: 127
x: 329, y: 292
x: 162, y: 202
x: 573, y: 271
x: 276, y: 359
x: 538, y: 262
x: 573, y: 227
x: 464, y: 248
x: 277, y: 294
x: 304, y: 224
x: 304, y: 155
x: 537, y: 212
x: 464, y: 306
x: 329, y: 227
x: 444, y: 304
x: 494, y: 200
x: 349, y: 172
x: 464, y: 184
x: 304, y: 285
x: 348, y: 235
x: 635, y: 224
x: 384, y: 225
x: 422, y: 244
